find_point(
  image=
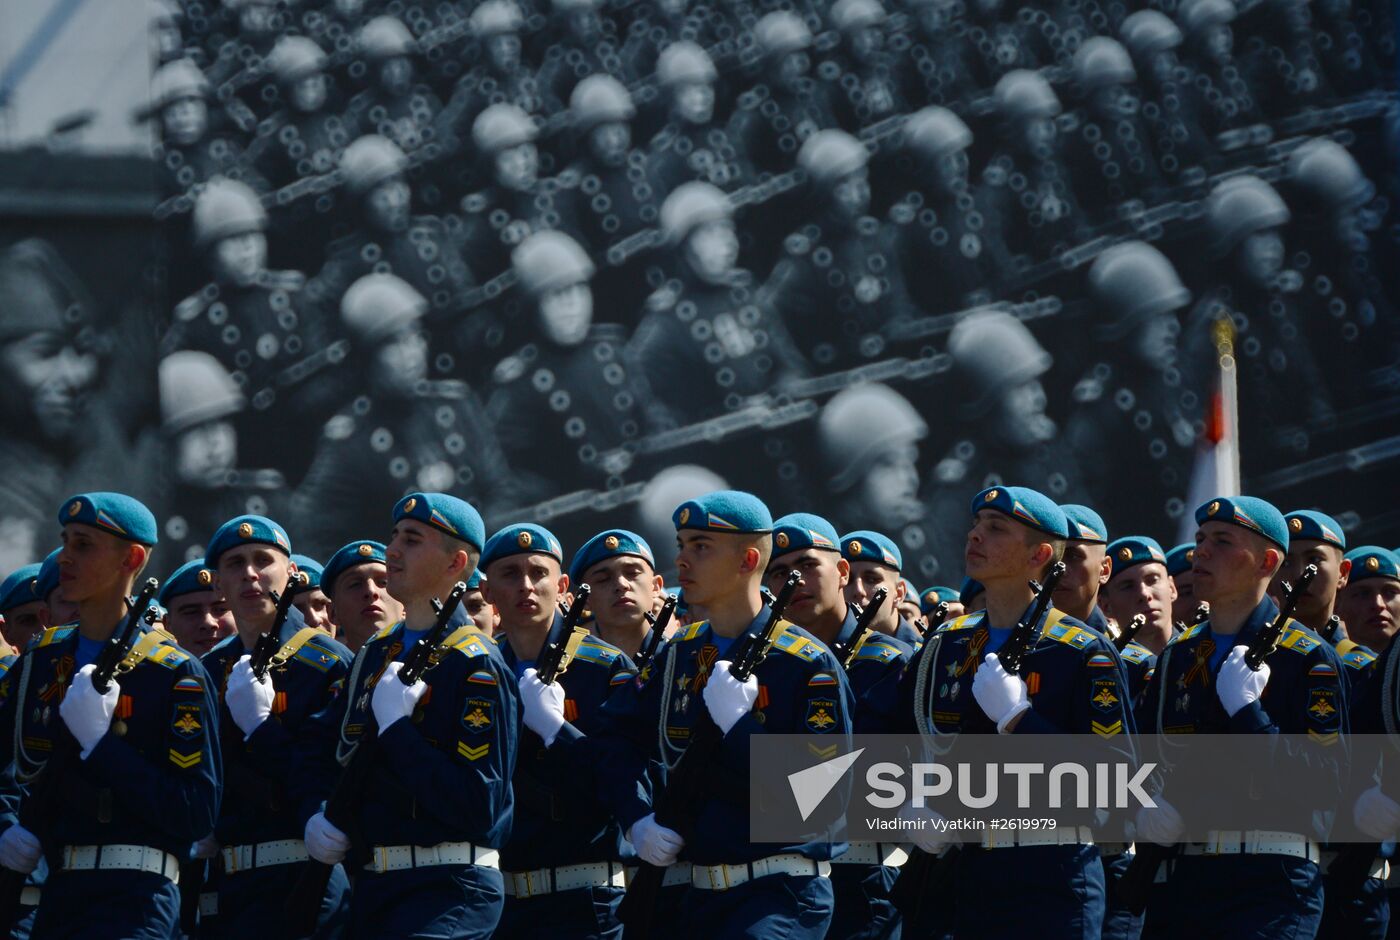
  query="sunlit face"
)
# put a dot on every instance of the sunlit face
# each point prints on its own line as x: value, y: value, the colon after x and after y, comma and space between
x: 418, y: 559
x: 248, y: 574
x: 1313, y: 604
x: 239, y: 259
x: 44, y: 381
x: 1144, y: 589
x: 205, y: 453
x: 1000, y: 549
x: 710, y: 566
x: 24, y: 622
x: 1086, y: 570
x: 362, y: 604
x: 525, y: 590
x: 713, y: 250
x: 480, y: 610
x: 199, y: 620
x: 624, y: 589
x: 1230, y: 562
x: 1371, y: 610
x: 566, y: 314
x: 822, y: 591
x: 866, y: 578
x: 185, y: 121
x: 315, y: 608
x: 95, y: 564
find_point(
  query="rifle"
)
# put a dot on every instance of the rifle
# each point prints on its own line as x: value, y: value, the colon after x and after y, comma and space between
x: 1130, y: 632
x: 844, y: 652
x: 922, y: 872
x: 1135, y: 883
x: 936, y: 619
x: 259, y: 660
x: 676, y: 806
x: 42, y: 806
x: 1331, y: 628
x: 303, y: 905
x: 659, y: 623
x: 554, y: 656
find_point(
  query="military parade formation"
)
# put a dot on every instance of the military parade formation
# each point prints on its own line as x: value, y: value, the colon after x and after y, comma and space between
x: 516, y: 317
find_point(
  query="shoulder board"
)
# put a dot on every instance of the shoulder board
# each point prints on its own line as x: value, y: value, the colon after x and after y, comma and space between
x: 694, y: 630
x: 1070, y: 635
x: 1298, y: 641
x: 320, y: 652
x: 473, y: 645
x: 5, y: 663
x: 508, y: 369
x: 597, y: 651
x: 877, y: 650
x: 1133, y: 653
x: 965, y: 622
x: 53, y: 635
x: 168, y: 656
x: 383, y: 633
x: 1187, y: 634
x: 1357, y: 657
x: 797, y: 645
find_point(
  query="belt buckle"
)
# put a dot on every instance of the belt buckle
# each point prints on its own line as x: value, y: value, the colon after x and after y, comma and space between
x: 381, y: 859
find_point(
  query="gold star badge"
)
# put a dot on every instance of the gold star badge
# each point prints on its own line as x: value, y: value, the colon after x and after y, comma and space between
x: 991, y: 495
x: 1190, y: 554
x: 205, y: 577
x: 246, y: 530
x: 854, y: 548
x: 366, y: 550
x: 1213, y: 508
x: 408, y: 506
x: 781, y: 540
x: 685, y: 515
x: 1373, y: 563
x: 524, y: 539
x: 611, y: 542
x: 1295, y: 525
x: 76, y: 508
x: 1126, y: 554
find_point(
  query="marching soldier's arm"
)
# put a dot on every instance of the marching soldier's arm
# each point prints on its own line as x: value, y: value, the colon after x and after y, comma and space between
x: 1101, y: 705
x: 179, y: 791
x: 273, y: 747
x: 313, y: 755
x: 877, y: 708
x: 10, y: 792
x: 477, y: 772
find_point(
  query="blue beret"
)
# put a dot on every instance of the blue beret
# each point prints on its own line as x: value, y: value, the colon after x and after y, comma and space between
x: 363, y: 552
x: 1134, y: 550
x: 911, y: 593
x: 1085, y: 525
x: 245, y: 530
x: 1372, y: 561
x: 1179, y: 559
x: 969, y: 590
x: 1247, y: 512
x: 1025, y: 506
x: 19, y: 588
x: 116, y: 513
x: 724, y: 511
x: 865, y: 545
x: 313, y: 571
x: 190, y: 577
x: 48, y: 575
x: 1315, y: 526
x: 607, y: 545
x: 447, y: 513
x: 800, y: 531
x: 523, y: 538
x: 934, y: 596
x: 474, y: 582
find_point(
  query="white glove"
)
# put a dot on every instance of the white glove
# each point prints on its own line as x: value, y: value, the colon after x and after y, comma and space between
x: 1238, y: 685
x: 324, y: 842
x: 249, y: 700
x: 654, y: 842
x: 20, y: 850
x: 394, y: 700
x: 1001, y: 695
x: 925, y: 828
x: 87, y: 712
x: 206, y: 848
x: 727, y: 698
x: 1160, y: 824
x: 544, y: 706
x: 1377, y: 815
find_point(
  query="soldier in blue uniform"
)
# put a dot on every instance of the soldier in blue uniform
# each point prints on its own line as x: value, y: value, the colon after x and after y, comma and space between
x: 357, y: 583
x: 1314, y: 538
x: 620, y: 569
x: 1203, y: 685
x: 932, y: 597
x: 563, y: 866
x: 196, y: 613
x: 309, y: 599
x: 1073, y: 684
x: 1139, y: 584
x: 478, y: 608
x: 861, y: 877
x: 1369, y: 604
x: 255, y: 845
x: 1179, y: 561
x: 437, y: 806
x: 147, y: 781
x: 1087, y: 568
x: 738, y: 887
x: 24, y: 611
x: 876, y: 562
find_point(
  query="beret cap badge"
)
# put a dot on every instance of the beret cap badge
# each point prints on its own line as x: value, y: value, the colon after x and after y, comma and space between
x: 685, y: 515
x: 366, y: 550
x: 1296, y: 525
x: 611, y: 542
x: 205, y: 577
x: 246, y: 530
x: 408, y: 506
x: 75, y: 508
x: 781, y: 540
x: 991, y: 495
x: 854, y: 548
x: 1126, y: 554
x: 1373, y: 563
x: 524, y: 539
x: 1214, y: 508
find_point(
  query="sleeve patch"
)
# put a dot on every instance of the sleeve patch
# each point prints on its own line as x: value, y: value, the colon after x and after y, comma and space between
x: 822, y: 679
x: 481, y: 677
x: 821, y: 715
x: 1100, y: 660
x: 477, y: 715
x: 185, y: 722
x: 1323, y: 669
x: 622, y: 677
x: 473, y: 753
x: 185, y: 761
x: 1107, y: 730
x: 189, y: 684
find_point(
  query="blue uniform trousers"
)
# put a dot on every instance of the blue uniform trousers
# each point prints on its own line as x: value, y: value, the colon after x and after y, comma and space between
x: 108, y: 905
x: 252, y: 904
x: 1244, y: 897
x: 442, y: 902
x: 1355, y: 915
x: 1119, y: 923
x: 863, y: 907
x: 580, y: 914
x: 774, y: 907
x: 1051, y: 892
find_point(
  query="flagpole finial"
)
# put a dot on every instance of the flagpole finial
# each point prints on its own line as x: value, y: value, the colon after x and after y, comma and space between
x: 1223, y: 333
